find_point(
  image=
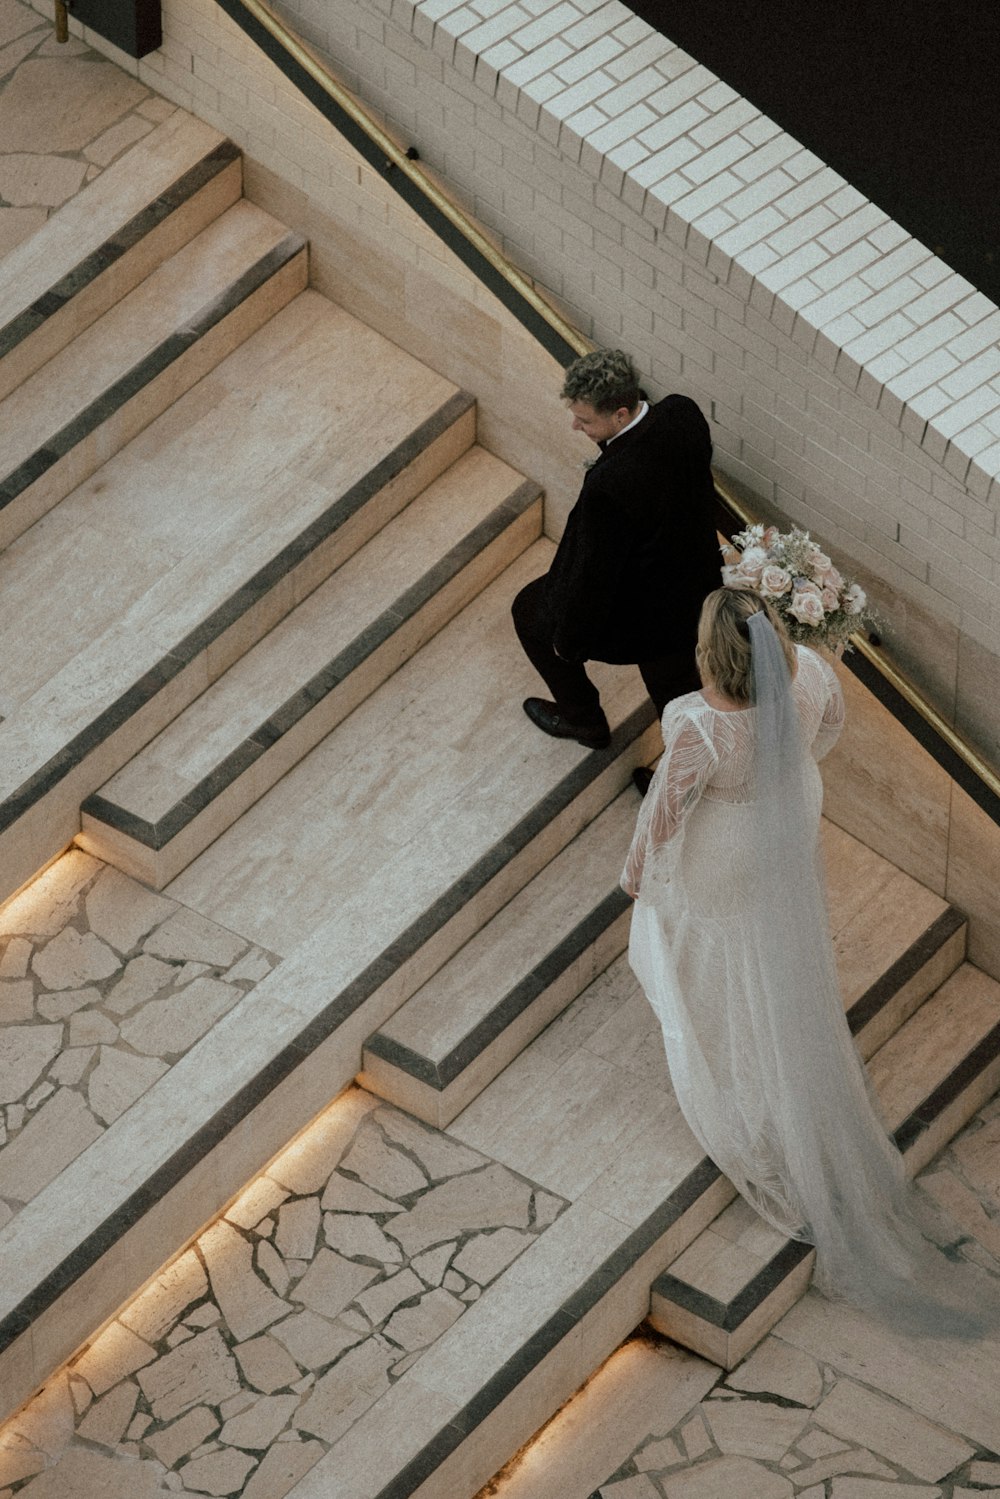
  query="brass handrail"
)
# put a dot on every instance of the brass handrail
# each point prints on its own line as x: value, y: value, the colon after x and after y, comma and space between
x: 394, y: 154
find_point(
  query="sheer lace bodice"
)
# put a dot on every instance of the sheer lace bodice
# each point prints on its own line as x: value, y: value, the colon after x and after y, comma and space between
x: 710, y: 753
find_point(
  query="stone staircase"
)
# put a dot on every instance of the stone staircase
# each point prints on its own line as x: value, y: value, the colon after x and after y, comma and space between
x: 319, y: 842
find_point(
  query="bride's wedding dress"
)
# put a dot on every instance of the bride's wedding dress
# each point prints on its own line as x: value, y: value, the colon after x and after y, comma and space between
x: 730, y: 942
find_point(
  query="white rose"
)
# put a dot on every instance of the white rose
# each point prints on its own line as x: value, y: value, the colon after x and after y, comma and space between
x: 752, y: 563
x: 855, y: 599
x: 807, y: 608
x: 774, y: 581
x: 734, y: 577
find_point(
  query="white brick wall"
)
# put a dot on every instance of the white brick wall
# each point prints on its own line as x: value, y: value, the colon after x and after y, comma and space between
x: 853, y: 380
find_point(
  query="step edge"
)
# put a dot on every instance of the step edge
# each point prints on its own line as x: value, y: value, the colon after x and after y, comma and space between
x: 226, y: 614
x: 118, y: 244
x: 280, y: 721
x: 442, y: 1072
x: 944, y: 1094
x: 729, y: 1316
x: 149, y: 368
x: 380, y: 970
x: 924, y: 947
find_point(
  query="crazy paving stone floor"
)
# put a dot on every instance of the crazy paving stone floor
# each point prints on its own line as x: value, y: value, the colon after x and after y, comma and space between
x: 239, y: 1367
x: 66, y: 113
x: 104, y: 985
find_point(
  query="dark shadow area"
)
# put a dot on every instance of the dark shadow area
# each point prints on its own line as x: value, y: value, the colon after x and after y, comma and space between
x: 898, y: 96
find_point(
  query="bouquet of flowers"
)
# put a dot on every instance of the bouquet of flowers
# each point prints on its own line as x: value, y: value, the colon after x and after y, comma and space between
x: 817, y: 605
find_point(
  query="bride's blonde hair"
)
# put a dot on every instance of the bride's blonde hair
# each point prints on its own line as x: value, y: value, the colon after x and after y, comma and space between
x: 723, y: 650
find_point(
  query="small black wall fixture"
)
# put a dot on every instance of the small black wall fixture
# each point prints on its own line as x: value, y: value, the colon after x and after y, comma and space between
x: 132, y: 25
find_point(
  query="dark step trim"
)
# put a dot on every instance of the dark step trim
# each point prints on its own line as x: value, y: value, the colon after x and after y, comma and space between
x: 944, y: 1095
x: 239, y: 603
x: 148, y: 369
x: 907, y: 966
x: 125, y: 238
x: 339, y: 1010
x: 520, y: 997
x: 560, y: 1325
x: 157, y: 835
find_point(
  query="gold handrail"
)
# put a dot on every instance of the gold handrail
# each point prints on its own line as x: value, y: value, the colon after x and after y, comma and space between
x: 317, y: 70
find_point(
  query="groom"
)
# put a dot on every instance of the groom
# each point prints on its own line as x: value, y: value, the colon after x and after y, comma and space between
x: 637, y: 557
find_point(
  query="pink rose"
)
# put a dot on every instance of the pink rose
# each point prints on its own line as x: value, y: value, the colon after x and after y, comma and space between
x: 774, y: 581
x: 821, y: 563
x: 752, y: 564
x: 734, y: 577
x: 807, y: 608
x: 832, y: 579
x: 831, y: 599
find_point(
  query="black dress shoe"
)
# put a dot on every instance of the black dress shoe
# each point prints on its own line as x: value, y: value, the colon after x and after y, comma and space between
x: 641, y: 777
x: 547, y: 717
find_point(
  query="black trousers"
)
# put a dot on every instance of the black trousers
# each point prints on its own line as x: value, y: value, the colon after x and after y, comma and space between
x: 575, y: 695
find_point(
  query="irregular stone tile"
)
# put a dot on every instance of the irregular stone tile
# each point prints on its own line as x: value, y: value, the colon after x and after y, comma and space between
x: 695, y: 1438
x: 485, y: 1256
x: 433, y: 1263
x: 48, y: 1421
x: 179, y: 1335
x: 83, y: 1395
x: 282, y: 1468
x: 235, y: 1405
x: 107, y: 1418
x: 978, y: 1156
x: 439, y: 1155
x: 39, y: 1095
x: 17, y: 1001
x: 453, y: 1282
x: 183, y: 1436
x: 867, y: 1488
x: 121, y: 911
x: 312, y: 1341
x: 91, y: 1028
x: 751, y: 1428
x: 273, y: 1268
x: 247, y: 1304
x: 218, y: 1473
x: 168, y: 1027
x: 201, y: 1371
x: 984, y: 1473
x: 853, y: 1460
x: 190, y: 971
x: 906, y: 1439
x: 658, y: 1455
x: 377, y: 1302
x: 116, y: 140
x: 15, y: 52
x: 50, y: 902
x: 266, y: 1364
x: 26, y: 1052
x: 306, y: 1165
x: 81, y: 1474
x: 963, y: 1207
x: 118, y: 1080
x: 72, y: 959
x: 28, y: 180
x: 820, y: 1444
x: 418, y: 1326
x: 379, y: 1166
x: 157, y: 109
x: 346, y: 1196
x: 638, y: 1486
x: 112, y: 1357
x: 250, y: 969
x: 727, y: 1476
x: 62, y: 1128
x: 779, y: 1369
x: 259, y: 1199
x: 62, y: 1006
x: 69, y: 1066
x: 206, y: 1315
x: 357, y: 1237
x: 18, y: 1460
x: 331, y: 1282
x: 143, y: 978
x: 258, y: 1426
x: 16, y: 957
x: 156, y: 1309
x: 492, y: 1198
x: 350, y: 1388
x: 186, y: 935
x: 298, y: 1226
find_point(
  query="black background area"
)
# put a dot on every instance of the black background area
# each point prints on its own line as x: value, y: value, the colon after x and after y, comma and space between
x: 899, y: 96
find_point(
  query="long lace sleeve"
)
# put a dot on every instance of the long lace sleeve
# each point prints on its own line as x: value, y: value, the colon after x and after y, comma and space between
x: 833, y: 713
x: 687, y: 762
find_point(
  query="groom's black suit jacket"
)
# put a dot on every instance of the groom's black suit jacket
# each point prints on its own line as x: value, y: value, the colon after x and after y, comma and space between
x: 639, y: 552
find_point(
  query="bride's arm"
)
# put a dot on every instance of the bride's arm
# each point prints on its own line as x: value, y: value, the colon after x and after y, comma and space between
x: 687, y: 762
x: 833, y: 713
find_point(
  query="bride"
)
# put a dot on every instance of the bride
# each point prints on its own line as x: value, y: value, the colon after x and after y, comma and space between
x: 730, y: 943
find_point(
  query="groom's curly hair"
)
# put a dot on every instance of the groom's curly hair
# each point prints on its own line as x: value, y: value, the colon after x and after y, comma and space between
x: 606, y: 379
x: 723, y: 650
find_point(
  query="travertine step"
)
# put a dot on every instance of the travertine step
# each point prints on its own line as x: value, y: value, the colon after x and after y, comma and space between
x: 102, y: 243
x: 128, y: 366
x: 895, y: 943
x: 369, y: 864
x: 728, y: 1290
x: 193, y: 542
x: 274, y: 704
